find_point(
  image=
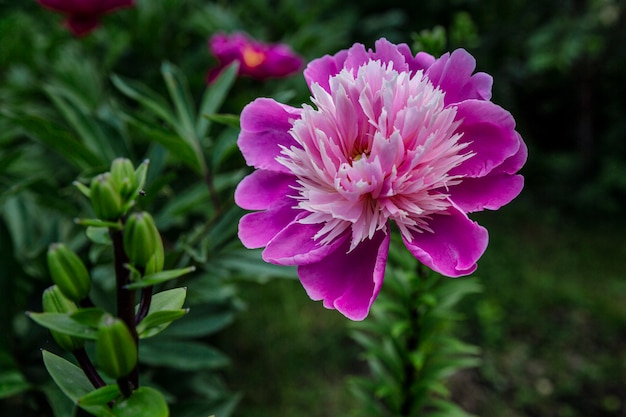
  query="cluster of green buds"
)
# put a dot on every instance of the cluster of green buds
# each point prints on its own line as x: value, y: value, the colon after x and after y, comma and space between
x: 73, y: 320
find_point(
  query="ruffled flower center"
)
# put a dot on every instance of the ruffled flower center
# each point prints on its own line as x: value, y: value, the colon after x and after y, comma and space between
x: 378, y: 147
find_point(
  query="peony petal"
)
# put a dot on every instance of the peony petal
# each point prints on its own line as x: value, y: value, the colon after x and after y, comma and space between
x: 453, y: 74
x: 490, y: 192
x: 265, y: 126
x: 320, y: 70
x: 257, y: 229
x: 388, y: 52
x: 515, y: 162
x: 294, y: 245
x: 261, y: 188
x: 454, y: 245
x: 489, y: 130
x: 348, y: 281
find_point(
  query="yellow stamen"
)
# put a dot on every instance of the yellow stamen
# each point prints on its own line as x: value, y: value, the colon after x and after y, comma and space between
x: 252, y: 58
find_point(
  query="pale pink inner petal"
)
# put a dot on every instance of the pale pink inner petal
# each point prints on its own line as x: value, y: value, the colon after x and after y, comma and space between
x: 379, y: 146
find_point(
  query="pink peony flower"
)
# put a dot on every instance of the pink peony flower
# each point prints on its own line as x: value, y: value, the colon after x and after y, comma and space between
x: 393, y: 137
x: 256, y: 60
x: 83, y: 16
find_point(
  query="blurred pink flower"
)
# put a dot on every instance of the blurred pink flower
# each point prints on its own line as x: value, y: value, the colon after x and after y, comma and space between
x: 393, y: 137
x: 83, y: 16
x: 256, y: 60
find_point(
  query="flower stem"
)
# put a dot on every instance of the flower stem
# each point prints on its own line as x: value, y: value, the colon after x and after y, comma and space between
x: 87, y: 366
x: 125, y: 298
x: 144, y: 304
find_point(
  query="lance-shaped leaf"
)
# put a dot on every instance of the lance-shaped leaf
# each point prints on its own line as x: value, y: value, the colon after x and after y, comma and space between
x: 160, y: 277
x: 63, y: 323
x: 155, y: 323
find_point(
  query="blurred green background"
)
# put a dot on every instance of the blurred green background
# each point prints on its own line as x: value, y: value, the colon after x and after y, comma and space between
x: 551, y: 321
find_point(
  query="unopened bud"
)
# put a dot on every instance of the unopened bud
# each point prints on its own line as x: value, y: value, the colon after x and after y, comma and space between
x: 54, y: 301
x: 123, y: 174
x: 116, y: 351
x: 68, y: 272
x: 105, y: 197
x: 142, y: 242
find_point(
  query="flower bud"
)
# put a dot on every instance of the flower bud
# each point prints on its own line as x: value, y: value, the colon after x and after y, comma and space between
x: 68, y: 272
x: 116, y: 351
x: 54, y: 301
x: 105, y: 197
x: 142, y: 241
x: 123, y: 175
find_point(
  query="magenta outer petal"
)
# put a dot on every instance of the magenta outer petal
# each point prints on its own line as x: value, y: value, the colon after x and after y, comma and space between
x: 260, y: 189
x: 514, y: 163
x: 257, y: 229
x: 265, y: 125
x: 453, y: 74
x: 294, y: 245
x: 348, y: 281
x: 454, y: 246
x: 489, y: 129
x: 320, y: 70
x: 490, y: 192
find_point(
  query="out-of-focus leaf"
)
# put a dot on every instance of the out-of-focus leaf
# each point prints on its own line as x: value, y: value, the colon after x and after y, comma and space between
x: 88, y: 128
x: 177, y: 147
x: 72, y: 381
x: 148, y: 98
x: 98, y: 235
x: 61, y: 141
x: 214, y: 96
x: 179, y: 93
x: 200, y: 323
x: 181, y: 354
x: 222, y: 407
x: 12, y: 382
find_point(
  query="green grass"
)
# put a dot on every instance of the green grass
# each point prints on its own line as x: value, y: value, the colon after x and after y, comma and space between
x: 551, y: 322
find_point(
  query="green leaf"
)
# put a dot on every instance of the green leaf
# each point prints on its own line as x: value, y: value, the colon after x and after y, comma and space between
x: 98, y: 223
x: 200, y: 322
x: 100, y: 396
x: 177, y: 147
x: 148, y: 98
x: 88, y: 129
x: 168, y: 300
x: 12, y: 382
x: 90, y: 317
x: 181, y: 354
x: 160, y: 277
x: 98, y: 235
x: 60, y: 140
x: 158, y: 321
x: 179, y: 93
x: 143, y: 402
x: 63, y: 323
x: 231, y: 120
x: 214, y: 96
x: 72, y: 381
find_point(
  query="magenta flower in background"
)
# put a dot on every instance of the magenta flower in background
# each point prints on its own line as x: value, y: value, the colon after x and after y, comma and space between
x: 392, y: 137
x: 83, y: 16
x: 256, y: 60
